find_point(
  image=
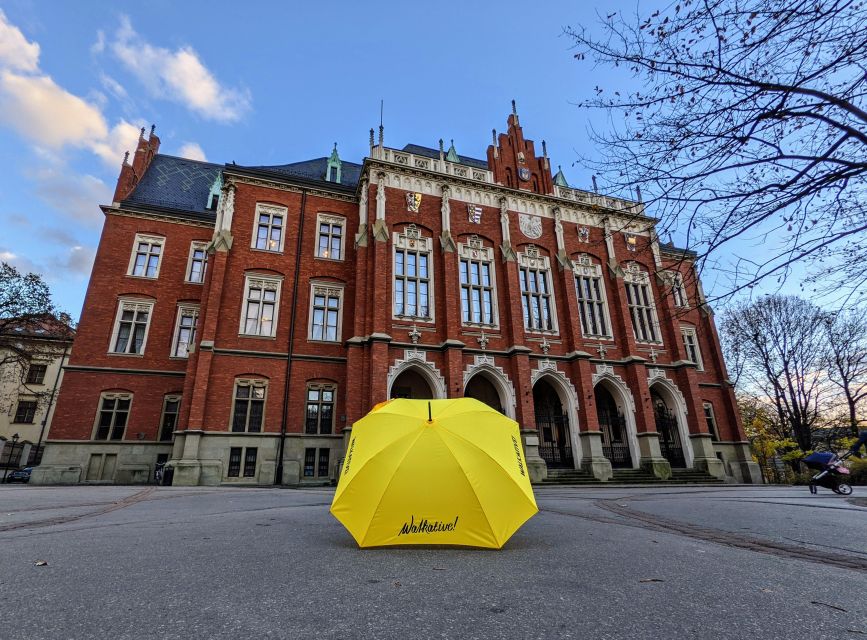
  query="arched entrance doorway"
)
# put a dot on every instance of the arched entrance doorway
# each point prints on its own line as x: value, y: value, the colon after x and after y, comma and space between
x: 670, y: 443
x: 483, y: 390
x: 612, y: 424
x: 555, y: 444
x: 411, y: 384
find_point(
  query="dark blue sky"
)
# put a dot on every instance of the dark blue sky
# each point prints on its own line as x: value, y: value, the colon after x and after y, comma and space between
x: 262, y: 83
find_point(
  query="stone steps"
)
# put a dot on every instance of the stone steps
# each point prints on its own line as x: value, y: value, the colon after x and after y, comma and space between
x: 628, y: 476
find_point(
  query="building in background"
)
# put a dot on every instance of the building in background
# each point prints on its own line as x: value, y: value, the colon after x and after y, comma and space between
x: 32, y: 354
x: 239, y: 319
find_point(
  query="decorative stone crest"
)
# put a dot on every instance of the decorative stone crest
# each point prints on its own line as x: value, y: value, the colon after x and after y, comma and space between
x: 531, y: 226
x: 415, y: 334
x: 583, y: 234
x: 474, y: 213
x: 631, y: 241
x: 413, y: 201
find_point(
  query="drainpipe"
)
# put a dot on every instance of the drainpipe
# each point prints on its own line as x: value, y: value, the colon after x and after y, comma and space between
x: 51, y: 399
x: 278, y: 476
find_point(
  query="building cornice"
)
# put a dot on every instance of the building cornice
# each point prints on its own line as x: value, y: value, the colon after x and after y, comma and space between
x: 283, y: 182
x: 157, y: 213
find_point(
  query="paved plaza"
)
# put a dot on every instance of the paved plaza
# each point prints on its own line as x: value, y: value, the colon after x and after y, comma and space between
x: 614, y: 562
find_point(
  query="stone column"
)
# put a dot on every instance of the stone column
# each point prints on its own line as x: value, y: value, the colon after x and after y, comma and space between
x: 592, y: 457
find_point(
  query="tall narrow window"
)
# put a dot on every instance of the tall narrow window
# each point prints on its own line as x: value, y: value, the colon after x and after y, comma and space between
x: 316, y: 462
x: 592, y: 306
x: 197, y: 262
x: 324, y: 456
x: 678, y: 291
x: 331, y: 231
x: 269, y: 228
x: 145, y: 261
x: 690, y: 343
x: 710, y: 419
x: 642, y: 309
x: 309, y: 462
x: 131, y: 327
x: 412, y: 275
x: 319, y: 417
x: 36, y: 373
x: 185, y: 331
x: 261, y: 300
x: 325, y: 312
x: 537, y: 300
x: 250, y: 454
x: 478, y: 299
x: 112, y: 416
x: 249, y: 406
x: 234, y: 469
x: 169, y: 419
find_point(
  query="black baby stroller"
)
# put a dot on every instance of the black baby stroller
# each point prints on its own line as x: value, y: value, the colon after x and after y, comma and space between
x: 832, y: 473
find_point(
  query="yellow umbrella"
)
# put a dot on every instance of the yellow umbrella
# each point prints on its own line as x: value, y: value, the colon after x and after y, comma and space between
x: 434, y: 472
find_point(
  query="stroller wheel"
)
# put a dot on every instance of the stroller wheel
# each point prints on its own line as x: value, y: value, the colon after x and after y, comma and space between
x: 843, y: 489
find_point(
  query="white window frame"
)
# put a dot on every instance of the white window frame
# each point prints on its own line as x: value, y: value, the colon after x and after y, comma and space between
x: 333, y: 221
x: 152, y: 240
x: 109, y: 395
x: 184, y: 310
x: 197, y: 246
x: 583, y: 267
x: 475, y: 251
x: 714, y: 432
x: 634, y: 275
x: 270, y: 210
x: 690, y: 332
x: 135, y: 305
x: 329, y: 290
x: 264, y: 282
x: 253, y: 383
x: 530, y: 258
x: 412, y: 240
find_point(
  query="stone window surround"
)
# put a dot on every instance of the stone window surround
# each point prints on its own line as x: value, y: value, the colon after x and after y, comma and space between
x: 583, y: 266
x: 111, y: 395
x: 412, y: 240
x: 194, y: 246
x: 634, y: 274
x: 334, y: 220
x: 152, y: 239
x: 265, y: 281
x: 333, y: 289
x: 271, y: 210
x: 689, y: 330
x: 184, y: 309
x: 474, y: 249
x: 134, y: 304
x: 253, y: 383
x: 531, y: 258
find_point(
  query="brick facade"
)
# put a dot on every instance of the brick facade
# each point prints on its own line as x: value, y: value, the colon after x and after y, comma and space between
x: 508, y: 208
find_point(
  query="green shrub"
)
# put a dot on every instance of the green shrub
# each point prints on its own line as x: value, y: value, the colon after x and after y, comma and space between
x: 858, y: 471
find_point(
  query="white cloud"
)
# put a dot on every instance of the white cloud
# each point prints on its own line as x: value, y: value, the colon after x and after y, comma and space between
x: 178, y: 75
x: 44, y: 112
x: 122, y: 137
x: 114, y: 87
x: 15, y: 51
x: 99, y: 46
x: 78, y: 260
x: 76, y: 196
x: 192, y: 151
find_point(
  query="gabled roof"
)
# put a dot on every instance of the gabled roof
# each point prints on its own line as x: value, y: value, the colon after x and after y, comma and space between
x: 668, y: 247
x: 176, y: 183
x: 315, y: 170
x: 427, y: 152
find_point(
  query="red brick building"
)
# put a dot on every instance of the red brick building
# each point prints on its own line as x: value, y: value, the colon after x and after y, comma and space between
x: 239, y: 319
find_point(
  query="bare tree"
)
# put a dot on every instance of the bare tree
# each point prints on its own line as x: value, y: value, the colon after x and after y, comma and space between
x: 783, y: 357
x: 751, y: 123
x: 847, y: 358
x: 30, y: 326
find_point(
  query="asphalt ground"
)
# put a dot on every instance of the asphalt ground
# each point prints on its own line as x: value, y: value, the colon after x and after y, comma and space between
x: 613, y: 562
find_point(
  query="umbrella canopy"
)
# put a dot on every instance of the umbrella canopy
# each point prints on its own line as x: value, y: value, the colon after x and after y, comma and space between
x: 434, y: 472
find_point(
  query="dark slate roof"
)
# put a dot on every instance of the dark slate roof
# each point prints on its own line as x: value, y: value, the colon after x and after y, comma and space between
x: 419, y: 150
x: 176, y: 183
x: 670, y: 248
x: 315, y: 170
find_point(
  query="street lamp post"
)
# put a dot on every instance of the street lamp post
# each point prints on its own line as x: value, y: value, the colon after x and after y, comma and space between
x: 9, y: 457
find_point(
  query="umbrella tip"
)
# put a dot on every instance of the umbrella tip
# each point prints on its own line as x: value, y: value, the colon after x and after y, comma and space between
x: 429, y: 416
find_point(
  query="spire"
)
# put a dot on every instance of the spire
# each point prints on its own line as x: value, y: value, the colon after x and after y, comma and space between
x: 333, y: 167
x: 545, y: 151
x: 452, y: 155
x: 560, y: 179
x: 442, y: 150
x: 514, y: 109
